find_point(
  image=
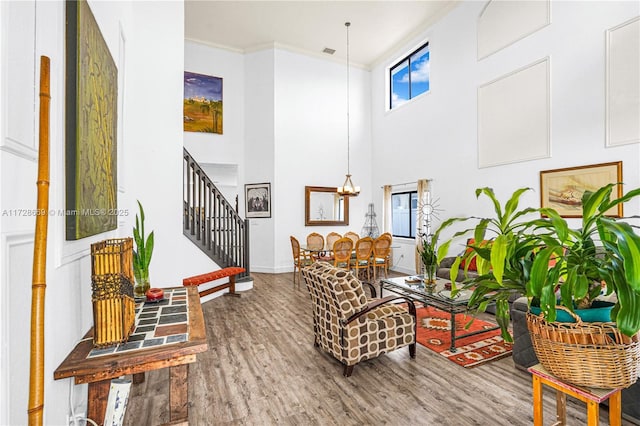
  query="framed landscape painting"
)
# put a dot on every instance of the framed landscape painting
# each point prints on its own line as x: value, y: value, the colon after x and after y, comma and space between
x: 91, y: 127
x: 562, y: 189
x: 202, y: 103
x: 258, y: 200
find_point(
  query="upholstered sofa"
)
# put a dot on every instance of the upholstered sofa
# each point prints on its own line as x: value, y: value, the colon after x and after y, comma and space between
x: 444, y: 270
x: 524, y: 357
x: 352, y: 327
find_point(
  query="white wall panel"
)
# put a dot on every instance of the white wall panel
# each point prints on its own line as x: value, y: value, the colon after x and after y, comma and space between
x: 623, y: 83
x: 17, y: 113
x: 513, y: 116
x: 15, y: 297
x: 503, y: 23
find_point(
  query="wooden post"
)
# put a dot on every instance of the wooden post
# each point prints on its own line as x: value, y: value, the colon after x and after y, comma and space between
x: 98, y: 395
x: 179, y: 392
x: 38, y: 284
x: 537, y: 401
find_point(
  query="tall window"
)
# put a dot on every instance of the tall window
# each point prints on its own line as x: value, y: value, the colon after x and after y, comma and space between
x: 409, y: 77
x: 404, y: 206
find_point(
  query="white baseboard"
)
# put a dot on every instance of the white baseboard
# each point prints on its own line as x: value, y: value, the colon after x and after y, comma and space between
x: 404, y: 270
x: 271, y: 270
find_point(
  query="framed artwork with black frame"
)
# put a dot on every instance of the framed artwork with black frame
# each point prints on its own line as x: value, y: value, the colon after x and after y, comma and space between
x: 562, y: 189
x: 257, y: 200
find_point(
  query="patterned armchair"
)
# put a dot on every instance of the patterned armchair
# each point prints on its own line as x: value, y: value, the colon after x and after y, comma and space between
x: 351, y: 327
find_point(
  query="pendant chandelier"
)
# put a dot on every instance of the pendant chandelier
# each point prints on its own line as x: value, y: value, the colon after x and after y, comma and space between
x: 348, y: 189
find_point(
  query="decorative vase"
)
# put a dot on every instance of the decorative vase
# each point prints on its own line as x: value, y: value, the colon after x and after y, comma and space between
x: 429, y: 285
x: 141, y: 287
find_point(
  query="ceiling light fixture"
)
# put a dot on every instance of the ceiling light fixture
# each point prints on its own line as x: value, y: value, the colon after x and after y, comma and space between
x: 348, y: 189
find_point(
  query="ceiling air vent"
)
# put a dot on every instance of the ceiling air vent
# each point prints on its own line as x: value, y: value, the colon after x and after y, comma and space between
x: 329, y: 51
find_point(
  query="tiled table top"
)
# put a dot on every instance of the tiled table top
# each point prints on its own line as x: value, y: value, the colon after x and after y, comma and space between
x: 156, y: 323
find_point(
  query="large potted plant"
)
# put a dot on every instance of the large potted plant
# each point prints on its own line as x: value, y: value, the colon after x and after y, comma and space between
x: 502, y: 248
x: 552, y: 264
x: 141, y: 255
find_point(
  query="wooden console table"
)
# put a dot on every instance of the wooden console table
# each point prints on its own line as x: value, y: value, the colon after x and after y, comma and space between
x: 98, y: 371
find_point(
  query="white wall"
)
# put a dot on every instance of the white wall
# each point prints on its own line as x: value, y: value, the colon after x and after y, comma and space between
x: 146, y: 42
x: 295, y: 134
x: 311, y: 143
x: 228, y: 147
x: 435, y: 136
x: 153, y: 125
x: 260, y: 152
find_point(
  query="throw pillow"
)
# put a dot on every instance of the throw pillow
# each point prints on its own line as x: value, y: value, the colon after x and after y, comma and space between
x: 472, y: 262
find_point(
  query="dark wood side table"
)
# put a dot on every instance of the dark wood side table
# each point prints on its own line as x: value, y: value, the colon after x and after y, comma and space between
x: 98, y: 371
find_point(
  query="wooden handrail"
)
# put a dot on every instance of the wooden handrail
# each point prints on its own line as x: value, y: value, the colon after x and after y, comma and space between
x: 211, y: 222
x: 39, y: 284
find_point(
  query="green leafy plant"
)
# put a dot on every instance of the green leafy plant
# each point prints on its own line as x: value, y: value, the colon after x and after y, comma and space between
x: 543, y: 258
x: 144, y: 249
x: 576, y: 262
x: 503, y: 252
x: 429, y: 257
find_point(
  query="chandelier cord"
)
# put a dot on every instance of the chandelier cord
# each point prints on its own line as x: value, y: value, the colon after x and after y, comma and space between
x: 347, y: 24
x: 348, y: 189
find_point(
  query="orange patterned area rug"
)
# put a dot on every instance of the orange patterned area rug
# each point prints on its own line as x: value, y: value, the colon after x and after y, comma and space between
x: 434, y: 332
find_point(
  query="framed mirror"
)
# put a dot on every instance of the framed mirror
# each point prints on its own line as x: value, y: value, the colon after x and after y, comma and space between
x: 323, y: 206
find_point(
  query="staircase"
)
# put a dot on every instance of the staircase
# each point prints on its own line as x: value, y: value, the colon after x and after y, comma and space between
x: 210, y: 221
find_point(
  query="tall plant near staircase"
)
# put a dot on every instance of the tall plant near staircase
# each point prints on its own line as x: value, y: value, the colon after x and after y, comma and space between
x: 141, y: 255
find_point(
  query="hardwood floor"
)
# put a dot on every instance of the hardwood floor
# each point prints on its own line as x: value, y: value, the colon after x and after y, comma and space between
x: 262, y: 369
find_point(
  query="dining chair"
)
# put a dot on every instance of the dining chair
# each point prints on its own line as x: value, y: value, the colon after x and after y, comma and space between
x: 363, y: 260
x: 353, y: 237
x: 332, y: 237
x: 315, y: 241
x: 300, y: 258
x: 342, y: 253
x: 381, y: 254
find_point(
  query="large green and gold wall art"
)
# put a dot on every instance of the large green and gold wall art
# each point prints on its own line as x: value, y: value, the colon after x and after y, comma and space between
x: 91, y: 127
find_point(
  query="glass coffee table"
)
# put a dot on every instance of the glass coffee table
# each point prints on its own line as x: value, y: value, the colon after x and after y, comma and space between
x: 440, y: 298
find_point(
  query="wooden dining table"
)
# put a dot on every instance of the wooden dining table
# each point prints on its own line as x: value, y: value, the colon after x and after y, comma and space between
x: 318, y: 253
x: 314, y: 249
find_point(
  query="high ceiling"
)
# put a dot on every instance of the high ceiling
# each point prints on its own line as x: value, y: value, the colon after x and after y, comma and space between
x: 377, y: 27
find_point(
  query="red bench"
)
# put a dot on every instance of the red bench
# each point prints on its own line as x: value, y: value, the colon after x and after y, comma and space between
x: 229, y: 272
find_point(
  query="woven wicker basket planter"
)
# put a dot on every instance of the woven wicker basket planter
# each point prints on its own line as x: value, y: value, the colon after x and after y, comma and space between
x: 586, y: 354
